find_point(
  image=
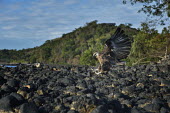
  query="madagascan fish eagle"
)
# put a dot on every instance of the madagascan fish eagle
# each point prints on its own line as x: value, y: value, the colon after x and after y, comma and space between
x: 117, y: 47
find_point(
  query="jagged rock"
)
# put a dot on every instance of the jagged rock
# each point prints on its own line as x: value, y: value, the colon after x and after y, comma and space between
x: 8, y: 102
x: 168, y: 102
x: 152, y: 107
x: 13, y: 83
x: 7, y: 88
x: 72, y: 111
x: 127, y: 103
x: 134, y: 110
x: 28, y: 108
x: 164, y: 68
x: 164, y: 110
x: 157, y: 101
x: 117, y: 95
x: 165, y: 83
x: 81, y: 85
x: 23, y: 92
x: 19, y: 97
x: 39, y: 101
x: 100, y: 109
x: 128, y: 90
x: 67, y: 81
x: 2, y: 80
x: 137, y: 89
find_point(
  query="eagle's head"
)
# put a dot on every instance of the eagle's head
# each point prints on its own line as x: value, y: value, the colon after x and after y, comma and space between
x: 96, y: 54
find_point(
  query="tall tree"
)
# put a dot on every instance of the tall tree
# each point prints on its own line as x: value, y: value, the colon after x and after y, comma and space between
x: 154, y: 8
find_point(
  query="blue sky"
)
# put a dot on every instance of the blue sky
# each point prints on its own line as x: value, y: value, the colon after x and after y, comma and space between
x: 29, y: 23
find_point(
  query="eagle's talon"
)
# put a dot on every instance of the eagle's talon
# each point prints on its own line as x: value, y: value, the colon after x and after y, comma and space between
x: 94, y: 70
x: 97, y: 73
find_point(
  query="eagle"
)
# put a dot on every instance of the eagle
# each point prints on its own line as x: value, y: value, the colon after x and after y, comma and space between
x: 117, y: 47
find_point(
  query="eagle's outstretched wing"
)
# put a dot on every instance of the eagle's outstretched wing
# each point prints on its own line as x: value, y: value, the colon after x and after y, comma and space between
x: 118, y: 46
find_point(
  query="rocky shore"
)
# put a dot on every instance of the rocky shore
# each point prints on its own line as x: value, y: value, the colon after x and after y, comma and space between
x: 76, y: 89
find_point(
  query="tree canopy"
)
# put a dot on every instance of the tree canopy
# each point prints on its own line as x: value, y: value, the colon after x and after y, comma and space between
x: 154, y: 8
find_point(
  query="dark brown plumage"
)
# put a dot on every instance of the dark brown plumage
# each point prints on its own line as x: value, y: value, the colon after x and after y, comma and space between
x: 117, y: 47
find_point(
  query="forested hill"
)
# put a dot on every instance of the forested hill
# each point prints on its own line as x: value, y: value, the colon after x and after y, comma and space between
x: 78, y: 46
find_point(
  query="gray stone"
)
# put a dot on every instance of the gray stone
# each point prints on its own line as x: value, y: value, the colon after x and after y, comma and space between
x: 72, y: 111
x: 8, y: 102
x: 13, y: 83
x: 100, y: 109
x: 19, y: 97
x: 28, y: 108
x: 2, y: 80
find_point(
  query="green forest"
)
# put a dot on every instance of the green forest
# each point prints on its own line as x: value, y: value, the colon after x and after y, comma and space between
x: 78, y: 46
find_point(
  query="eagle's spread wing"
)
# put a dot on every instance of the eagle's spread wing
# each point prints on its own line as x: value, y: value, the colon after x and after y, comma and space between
x: 118, y: 46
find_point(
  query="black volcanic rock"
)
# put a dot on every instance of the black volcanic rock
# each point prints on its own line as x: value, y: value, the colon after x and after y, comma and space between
x: 164, y: 68
x: 28, y: 108
x: 8, y: 102
x: 13, y: 83
x: 77, y: 89
x: 2, y: 80
x: 7, y: 88
x: 19, y: 97
x: 72, y: 111
x: 152, y: 107
x: 164, y: 110
x: 100, y: 109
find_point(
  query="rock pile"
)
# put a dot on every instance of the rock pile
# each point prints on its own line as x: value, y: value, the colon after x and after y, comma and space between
x: 76, y: 89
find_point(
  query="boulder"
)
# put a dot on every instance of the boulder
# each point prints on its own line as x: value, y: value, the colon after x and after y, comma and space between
x: 28, y: 108
x: 8, y: 102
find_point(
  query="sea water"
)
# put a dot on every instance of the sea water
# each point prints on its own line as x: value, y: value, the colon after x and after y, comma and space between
x: 9, y: 66
x: 12, y: 66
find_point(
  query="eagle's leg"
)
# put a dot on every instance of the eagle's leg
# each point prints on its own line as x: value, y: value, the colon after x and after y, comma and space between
x: 98, y: 71
x: 104, y: 68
